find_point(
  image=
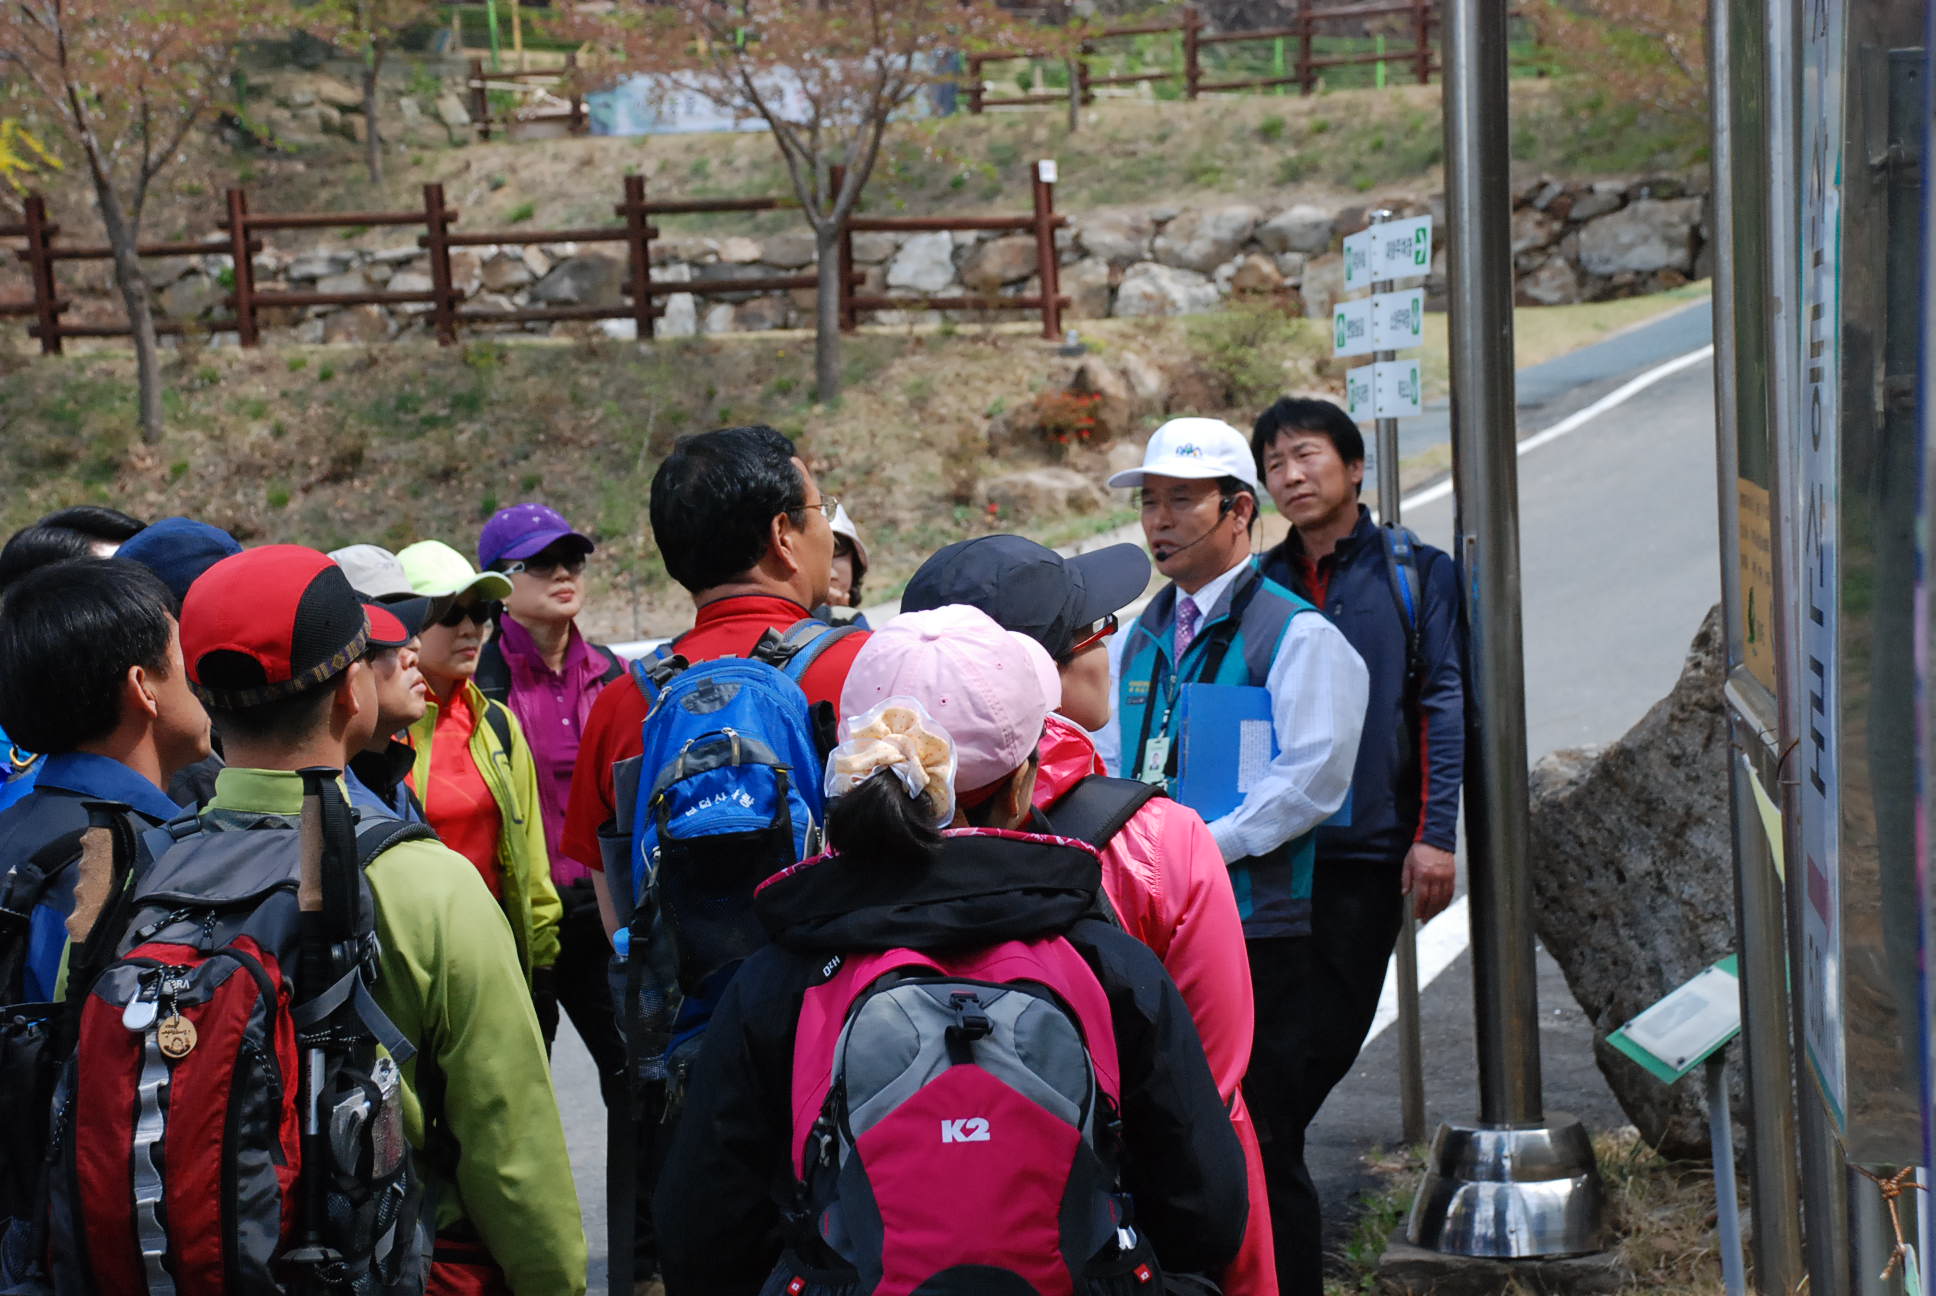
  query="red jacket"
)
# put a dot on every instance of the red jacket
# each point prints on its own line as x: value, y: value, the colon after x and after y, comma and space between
x: 1167, y: 881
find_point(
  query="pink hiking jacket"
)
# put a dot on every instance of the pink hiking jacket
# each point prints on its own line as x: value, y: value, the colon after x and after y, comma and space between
x: 1167, y: 881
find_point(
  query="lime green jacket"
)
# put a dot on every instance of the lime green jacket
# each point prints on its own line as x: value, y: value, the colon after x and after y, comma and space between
x: 523, y: 862
x: 447, y: 978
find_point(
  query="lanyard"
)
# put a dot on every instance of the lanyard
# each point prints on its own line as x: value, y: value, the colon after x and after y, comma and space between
x: 1220, y: 633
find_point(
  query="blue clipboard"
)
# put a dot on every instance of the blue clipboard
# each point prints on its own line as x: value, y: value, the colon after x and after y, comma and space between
x: 1226, y: 740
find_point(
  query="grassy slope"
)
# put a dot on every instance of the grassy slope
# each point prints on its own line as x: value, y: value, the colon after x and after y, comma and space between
x: 392, y: 443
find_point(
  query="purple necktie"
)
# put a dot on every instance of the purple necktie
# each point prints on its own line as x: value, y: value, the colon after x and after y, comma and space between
x: 1187, y: 616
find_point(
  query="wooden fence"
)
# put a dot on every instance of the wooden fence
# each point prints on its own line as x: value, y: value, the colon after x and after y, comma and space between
x: 447, y: 312
x: 1314, y: 18
x: 483, y: 119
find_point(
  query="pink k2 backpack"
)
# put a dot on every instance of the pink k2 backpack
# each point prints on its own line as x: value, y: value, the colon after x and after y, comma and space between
x: 955, y: 1130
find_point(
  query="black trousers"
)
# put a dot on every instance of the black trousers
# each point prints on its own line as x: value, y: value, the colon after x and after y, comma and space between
x: 1315, y: 997
x: 578, y: 984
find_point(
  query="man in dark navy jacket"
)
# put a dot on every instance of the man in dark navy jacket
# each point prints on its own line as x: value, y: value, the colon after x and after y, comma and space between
x: 1404, y: 806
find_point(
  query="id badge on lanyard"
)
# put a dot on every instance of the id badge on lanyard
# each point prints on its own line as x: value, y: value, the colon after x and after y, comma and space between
x: 1156, y: 759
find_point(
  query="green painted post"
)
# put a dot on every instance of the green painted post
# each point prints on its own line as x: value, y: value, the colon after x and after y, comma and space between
x: 490, y: 18
x: 1380, y: 65
x: 1277, y: 63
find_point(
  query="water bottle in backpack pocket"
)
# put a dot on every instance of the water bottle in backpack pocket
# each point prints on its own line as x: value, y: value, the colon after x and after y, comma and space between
x: 955, y: 1132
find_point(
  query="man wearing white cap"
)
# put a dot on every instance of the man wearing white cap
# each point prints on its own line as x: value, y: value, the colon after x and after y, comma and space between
x: 1220, y: 621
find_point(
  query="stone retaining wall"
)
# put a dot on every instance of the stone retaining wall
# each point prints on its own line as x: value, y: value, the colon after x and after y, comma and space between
x: 1571, y: 241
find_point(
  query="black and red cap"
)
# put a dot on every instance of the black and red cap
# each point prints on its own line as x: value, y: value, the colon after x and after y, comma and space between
x: 270, y: 623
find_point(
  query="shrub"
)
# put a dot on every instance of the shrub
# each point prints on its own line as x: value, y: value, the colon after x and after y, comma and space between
x: 1063, y: 418
x: 1245, y: 345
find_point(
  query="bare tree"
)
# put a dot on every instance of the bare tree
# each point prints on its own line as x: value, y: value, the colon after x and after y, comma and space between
x: 123, y: 84
x: 372, y: 28
x: 826, y: 76
x: 1652, y: 53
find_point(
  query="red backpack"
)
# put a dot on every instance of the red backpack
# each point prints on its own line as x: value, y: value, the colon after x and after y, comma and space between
x: 955, y: 1132
x: 227, y: 1124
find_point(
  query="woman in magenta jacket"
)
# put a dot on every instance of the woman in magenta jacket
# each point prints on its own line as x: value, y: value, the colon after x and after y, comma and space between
x: 1163, y: 872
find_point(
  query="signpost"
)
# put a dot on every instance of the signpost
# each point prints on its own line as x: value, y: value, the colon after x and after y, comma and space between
x: 1383, y: 392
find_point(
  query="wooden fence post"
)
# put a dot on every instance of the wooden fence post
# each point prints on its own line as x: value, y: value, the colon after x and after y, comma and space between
x: 578, y: 123
x: 40, y: 267
x: 437, y: 240
x: 974, y: 85
x: 1086, y: 93
x: 1192, y: 61
x: 638, y: 230
x: 241, y: 252
x: 1422, y: 38
x: 480, y: 101
x: 1307, y: 76
x: 849, y: 317
x: 1045, y: 262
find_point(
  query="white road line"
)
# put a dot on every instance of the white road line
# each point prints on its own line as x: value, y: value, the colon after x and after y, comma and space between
x: 1580, y: 418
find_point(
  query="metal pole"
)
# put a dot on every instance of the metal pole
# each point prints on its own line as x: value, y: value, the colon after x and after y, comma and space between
x: 1484, y: 446
x: 1727, y: 1203
x: 1509, y: 1185
x: 1736, y: 66
x: 1411, y: 1048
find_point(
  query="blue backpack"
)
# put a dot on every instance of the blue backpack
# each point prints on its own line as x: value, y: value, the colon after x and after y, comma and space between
x: 726, y: 793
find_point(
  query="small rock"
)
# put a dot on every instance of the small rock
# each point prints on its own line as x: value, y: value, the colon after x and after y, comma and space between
x: 506, y: 272
x: 466, y: 271
x: 410, y: 112
x: 310, y: 88
x: 452, y: 113
x: 719, y: 318
x: 537, y: 260
x: 1605, y: 196
x: 1551, y: 192
x: 1118, y: 237
x: 1203, y: 240
x: 1097, y: 377
x: 874, y: 248
x: 191, y: 298
x: 1152, y: 289
x: 310, y: 331
x: 1149, y: 384
x: 583, y: 280
x: 760, y: 315
x: 621, y: 330
x: 1291, y: 265
x: 315, y: 265
x: 924, y: 264
x: 1002, y: 261
x: 698, y: 251
x: 1532, y: 228
x: 350, y: 281
x: 1302, y: 228
x: 1040, y: 493
x: 412, y: 281
x: 359, y: 126
x: 366, y: 323
x: 738, y: 250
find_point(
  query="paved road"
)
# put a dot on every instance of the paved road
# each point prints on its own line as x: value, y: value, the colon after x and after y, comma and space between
x: 1618, y: 545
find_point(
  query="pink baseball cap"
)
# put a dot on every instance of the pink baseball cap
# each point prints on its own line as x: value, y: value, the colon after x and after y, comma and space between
x: 991, y: 689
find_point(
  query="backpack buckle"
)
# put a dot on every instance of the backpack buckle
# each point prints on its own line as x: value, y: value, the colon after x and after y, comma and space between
x: 971, y: 1022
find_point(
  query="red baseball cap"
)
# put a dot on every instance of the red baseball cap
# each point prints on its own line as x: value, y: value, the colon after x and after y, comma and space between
x: 393, y: 626
x: 269, y: 623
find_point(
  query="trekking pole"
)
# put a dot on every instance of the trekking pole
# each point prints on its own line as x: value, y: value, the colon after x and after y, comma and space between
x: 326, y: 897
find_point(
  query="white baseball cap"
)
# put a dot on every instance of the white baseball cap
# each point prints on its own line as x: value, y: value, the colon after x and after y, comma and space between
x: 1194, y: 448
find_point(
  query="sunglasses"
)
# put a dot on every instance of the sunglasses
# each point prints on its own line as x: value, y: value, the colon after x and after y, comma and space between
x: 480, y: 613
x: 542, y: 566
x: 1104, y: 628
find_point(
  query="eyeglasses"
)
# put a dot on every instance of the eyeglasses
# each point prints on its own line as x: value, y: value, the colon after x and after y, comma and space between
x: 542, y: 566
x: 482, y: 613
x: 826, y: 504
x: 1104, y: 628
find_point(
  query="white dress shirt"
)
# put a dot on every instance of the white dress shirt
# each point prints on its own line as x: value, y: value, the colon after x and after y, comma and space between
x: 1318, y: 688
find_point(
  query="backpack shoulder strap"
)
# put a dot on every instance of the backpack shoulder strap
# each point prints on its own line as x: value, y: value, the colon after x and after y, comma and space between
x: 1401, y: 569
x: 795, y: 652
x: 380, y: 832
x: 1097, y: 807
x: 614, y: 664
x: 493, y: 678
x: 653, y: 673
x: 498, y: 717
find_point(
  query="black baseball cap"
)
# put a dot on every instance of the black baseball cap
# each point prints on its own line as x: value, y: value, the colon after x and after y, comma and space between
x: 1029, y: 588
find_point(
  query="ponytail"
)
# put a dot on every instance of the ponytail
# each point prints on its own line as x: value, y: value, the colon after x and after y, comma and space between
x: 876, y: 824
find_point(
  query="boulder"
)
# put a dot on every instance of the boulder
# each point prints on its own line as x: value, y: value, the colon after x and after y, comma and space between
x: 307, y: 89
x: 1203, y: 240
x: 1633, y: 877
x: 1291, y: 265
x: 1087, y: 285
x: 874, y: 248
x: 681, y: 318
x: 1303, y: 228
x: 1256, y: 273
x: 1322, y: 285
x: 364, y: 323
x: 583, y: 280
x: 1041, y: 493
x: 739, y: 250
x: 1097, y: 377
x: 1003, y: 261
x: 191, y: 298
x: 1118, y: 237
x: 719, y: 318
x: 315, y: 265
x: 506, y: 272
x: 761, y: 315
x: 698, y: 251
x: 790, y: 251
x: 350, y: 281
x: 1554, y: 283
x: 1646, y: 235
x: 162, y: 271
x: 412, y: 281
x: 1149, y: 384
x: 1532, y: 228
x: 924, y: 264
x: 1605, y: 196
x: 1152, y: 289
